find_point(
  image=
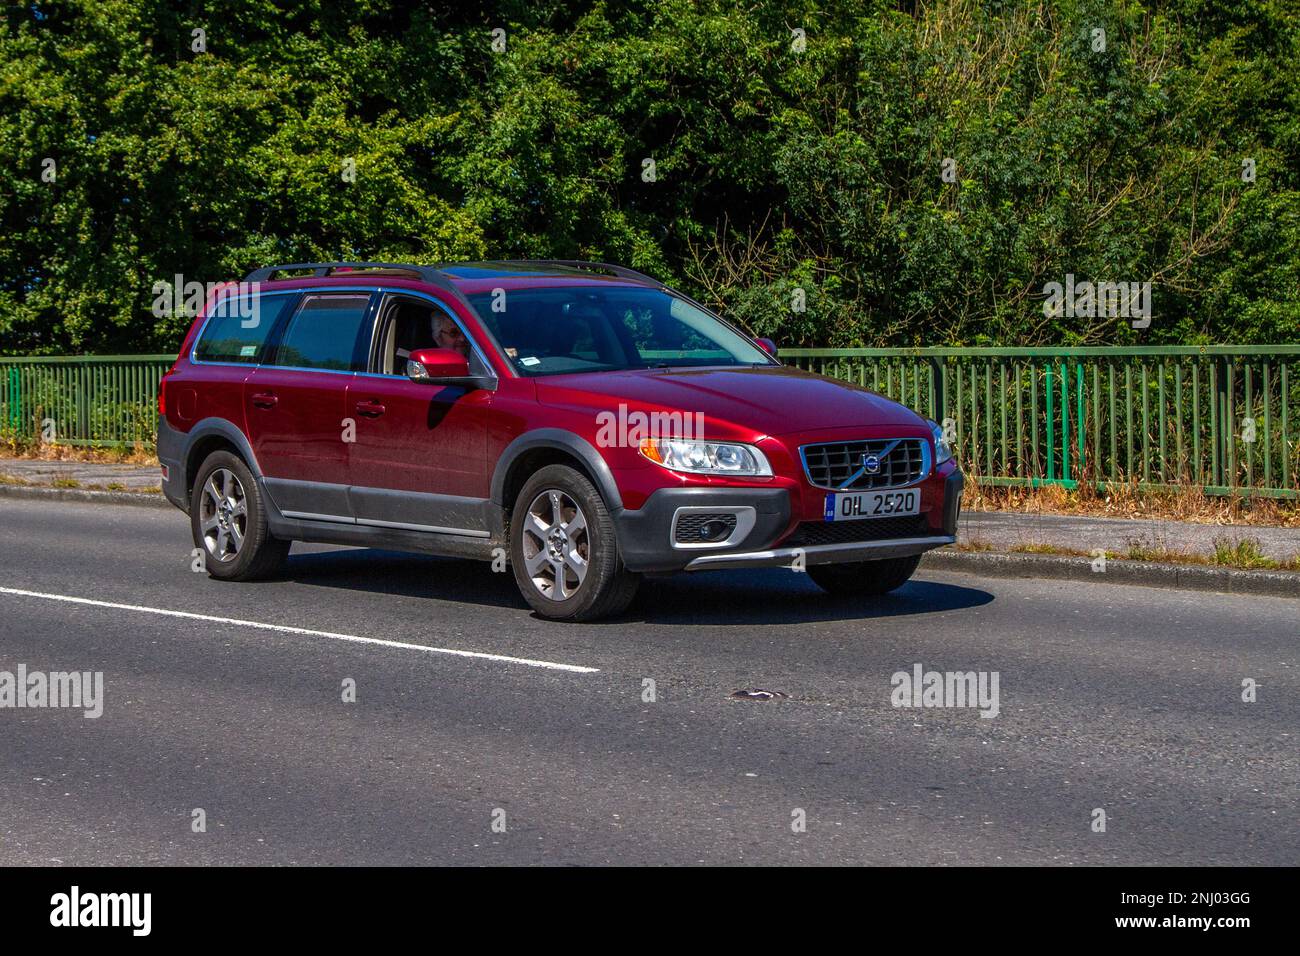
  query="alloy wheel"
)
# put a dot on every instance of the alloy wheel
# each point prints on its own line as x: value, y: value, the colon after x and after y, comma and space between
x: 223, y: 515
x: 557, y: 545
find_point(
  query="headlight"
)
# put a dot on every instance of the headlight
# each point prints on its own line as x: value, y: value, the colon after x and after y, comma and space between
x: 942, y: 450
x: 706, y: 457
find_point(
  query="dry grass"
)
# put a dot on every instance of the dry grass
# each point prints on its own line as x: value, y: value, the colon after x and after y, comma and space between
x: 14, y: 480
x: 119, y: 487
x: 118, y: 456
x: 12, y: 446
x: 1126, y: 501
x: 1038, y: 547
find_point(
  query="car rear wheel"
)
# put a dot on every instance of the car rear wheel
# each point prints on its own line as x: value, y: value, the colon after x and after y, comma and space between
x: 228, y: 521
x: 864, y: 577
x: 564, y: 551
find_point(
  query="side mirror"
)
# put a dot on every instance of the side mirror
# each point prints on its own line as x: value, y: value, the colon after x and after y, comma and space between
x: 443, y: 367
x: 426, y: 365
x: 768, y: 346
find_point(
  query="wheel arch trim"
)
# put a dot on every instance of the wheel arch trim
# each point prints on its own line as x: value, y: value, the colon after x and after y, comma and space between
x: 219, y: 428
x: 560, y: 440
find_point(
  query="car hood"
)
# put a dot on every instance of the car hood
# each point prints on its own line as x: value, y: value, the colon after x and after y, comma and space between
x: 773, y: 400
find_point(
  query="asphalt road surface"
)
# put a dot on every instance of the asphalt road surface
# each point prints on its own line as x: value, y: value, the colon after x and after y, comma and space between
x: 1121, y: 699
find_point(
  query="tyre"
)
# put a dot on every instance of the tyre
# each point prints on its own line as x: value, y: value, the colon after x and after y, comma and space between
x: 228, y: 521
x: 864, y: 577
x: 564, y: 551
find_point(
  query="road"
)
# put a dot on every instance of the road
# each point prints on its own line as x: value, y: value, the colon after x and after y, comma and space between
x: 1111, y: 697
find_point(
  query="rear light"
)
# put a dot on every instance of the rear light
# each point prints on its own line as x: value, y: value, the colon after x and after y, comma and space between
x: 162, y: 389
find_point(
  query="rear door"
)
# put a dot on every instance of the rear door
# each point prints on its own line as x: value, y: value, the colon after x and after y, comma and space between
x: 233, y: 340
x: 295, y: 404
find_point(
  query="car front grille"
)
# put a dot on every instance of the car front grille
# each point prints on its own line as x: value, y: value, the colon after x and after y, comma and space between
x: 841, y: 466
x: 811, y: 533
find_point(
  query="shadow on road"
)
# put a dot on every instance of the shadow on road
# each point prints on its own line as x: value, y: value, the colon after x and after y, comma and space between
x: 780, y: 596
x: 406, y: 574
x: 761, y: 596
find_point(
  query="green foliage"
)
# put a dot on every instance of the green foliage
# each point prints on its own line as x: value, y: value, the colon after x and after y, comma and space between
x: 777, y: 169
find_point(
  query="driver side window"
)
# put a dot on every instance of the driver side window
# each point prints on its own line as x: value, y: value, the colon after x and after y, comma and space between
x: 409, y: 326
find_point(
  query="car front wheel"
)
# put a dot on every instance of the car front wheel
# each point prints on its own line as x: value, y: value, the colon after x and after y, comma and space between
x: 564, y: 551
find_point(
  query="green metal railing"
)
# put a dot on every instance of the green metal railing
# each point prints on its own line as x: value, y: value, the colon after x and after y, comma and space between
x: 1224, y: 418
x: 100, y: 400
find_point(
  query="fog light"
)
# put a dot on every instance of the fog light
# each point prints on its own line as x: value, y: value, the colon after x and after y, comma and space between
x: 714, y: 530
x: 703, y: 527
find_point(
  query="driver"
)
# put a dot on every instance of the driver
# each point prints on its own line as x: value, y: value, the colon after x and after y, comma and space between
x: 449, y: 336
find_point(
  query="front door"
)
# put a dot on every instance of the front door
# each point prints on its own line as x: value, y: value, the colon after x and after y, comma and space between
x: 419, y: 461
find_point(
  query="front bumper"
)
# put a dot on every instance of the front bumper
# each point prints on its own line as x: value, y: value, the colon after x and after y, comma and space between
x: 645, y: 536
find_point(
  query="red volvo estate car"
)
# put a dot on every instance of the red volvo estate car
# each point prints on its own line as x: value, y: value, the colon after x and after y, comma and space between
x: 581, y: 419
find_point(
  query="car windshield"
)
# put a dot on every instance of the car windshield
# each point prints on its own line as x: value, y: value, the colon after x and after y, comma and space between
x: 557, y: 331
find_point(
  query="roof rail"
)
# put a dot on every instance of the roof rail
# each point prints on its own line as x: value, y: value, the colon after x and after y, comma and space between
x: 621, y: 271
x: 428, y: 274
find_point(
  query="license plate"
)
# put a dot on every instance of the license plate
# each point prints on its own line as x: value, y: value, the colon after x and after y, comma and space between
x: 852, y: 505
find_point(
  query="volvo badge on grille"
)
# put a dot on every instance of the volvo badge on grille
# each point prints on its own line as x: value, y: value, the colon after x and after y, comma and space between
x: 871, y: 464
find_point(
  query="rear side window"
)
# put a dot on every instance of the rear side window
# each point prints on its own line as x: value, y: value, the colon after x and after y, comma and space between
x: 237, y: 328
x: 327, y: 332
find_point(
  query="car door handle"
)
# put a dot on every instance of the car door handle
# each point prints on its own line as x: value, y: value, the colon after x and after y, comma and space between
x: 370, y: 409
x: 265, y: 399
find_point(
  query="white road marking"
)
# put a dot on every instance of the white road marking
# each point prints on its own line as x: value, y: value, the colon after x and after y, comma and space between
x: 285, y: 629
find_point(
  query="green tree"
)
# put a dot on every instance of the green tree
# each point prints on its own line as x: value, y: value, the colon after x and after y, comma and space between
x: 788, y: 166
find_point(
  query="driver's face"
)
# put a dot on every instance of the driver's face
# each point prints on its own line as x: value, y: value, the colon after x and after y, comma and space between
x: 449, y: 336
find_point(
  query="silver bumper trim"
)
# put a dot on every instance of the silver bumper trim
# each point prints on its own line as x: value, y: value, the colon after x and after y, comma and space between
x: 823, y: 553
